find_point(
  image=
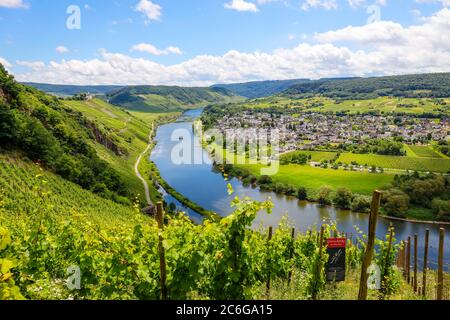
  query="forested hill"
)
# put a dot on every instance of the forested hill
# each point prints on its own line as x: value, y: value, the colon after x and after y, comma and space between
x: 260, y: 89
x: 409, y: 86
x: 69, y: 90
x: 41, y: 128
x: 168, y: 98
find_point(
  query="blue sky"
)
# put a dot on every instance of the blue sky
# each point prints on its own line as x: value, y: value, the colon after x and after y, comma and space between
x: 182, y: 37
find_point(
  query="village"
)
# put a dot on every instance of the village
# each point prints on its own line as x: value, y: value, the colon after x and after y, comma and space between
x: 313, y: 130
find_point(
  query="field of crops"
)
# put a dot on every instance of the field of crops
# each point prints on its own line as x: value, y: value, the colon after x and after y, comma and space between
x: 403, y: 163
x: 315, y: 178
x: 126, y: 130
x: 424, y: 152
x: 26, y: 189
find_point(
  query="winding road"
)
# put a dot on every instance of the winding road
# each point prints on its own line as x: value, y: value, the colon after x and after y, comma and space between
x: 136, y: 167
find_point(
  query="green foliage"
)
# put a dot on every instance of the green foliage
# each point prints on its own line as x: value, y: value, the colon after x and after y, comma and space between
x: 324, y: 197
x: 302, y: 193
x: 47, y: 132
x: 395, y: 202
x: 410, y: 86
x: 385, y: 259
x: 343, y: 198
x: 165, y: 98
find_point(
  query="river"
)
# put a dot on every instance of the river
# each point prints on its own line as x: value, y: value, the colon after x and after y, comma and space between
x: 202, y: 185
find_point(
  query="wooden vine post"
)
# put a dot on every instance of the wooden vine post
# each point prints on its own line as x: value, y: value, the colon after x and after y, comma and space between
x: 440, y: 285
x: 415, y: 263
x: 425, y: 263
x: 161, y: 250
x: 408, y: 260
x: 268, y: 243
x: 376, y: 200
x: 387, y: 261
x: 291, y: 255
x: 319, y: 264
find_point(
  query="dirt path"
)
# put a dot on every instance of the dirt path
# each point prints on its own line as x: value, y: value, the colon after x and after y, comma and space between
x: 136, y: 168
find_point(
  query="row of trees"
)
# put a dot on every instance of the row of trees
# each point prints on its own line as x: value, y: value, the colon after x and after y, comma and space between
x: 428, y: 192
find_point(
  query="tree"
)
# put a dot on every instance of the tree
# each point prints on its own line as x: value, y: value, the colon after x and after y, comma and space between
x: 324, y: 197
x: 343, y: 198
x: 441, y: 208
x: 361, y: 204
x: 396, y: 202
x: 302, y: 193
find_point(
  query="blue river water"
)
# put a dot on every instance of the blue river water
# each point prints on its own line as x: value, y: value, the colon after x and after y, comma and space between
x: 202, y: 185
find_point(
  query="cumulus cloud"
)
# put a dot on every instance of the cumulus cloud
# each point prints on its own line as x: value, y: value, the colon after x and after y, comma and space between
x: 324, y: 4
x: 381, y: 48
x: 241, y: 5
x: 34, y: 65
x: 13, y: 4
x: 151, y: 49
x: 445, y: 3
x: 150, y: 10
x: 62, y: 49
x: 5, y: 63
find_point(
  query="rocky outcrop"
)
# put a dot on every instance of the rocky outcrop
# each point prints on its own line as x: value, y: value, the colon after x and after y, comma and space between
x: 104, y: 140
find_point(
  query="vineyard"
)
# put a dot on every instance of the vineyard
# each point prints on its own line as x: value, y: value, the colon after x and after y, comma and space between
x: 394, y: 162
x: 49, y: 225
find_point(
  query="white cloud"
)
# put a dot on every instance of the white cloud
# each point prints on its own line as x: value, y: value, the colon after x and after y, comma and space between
x: 149, y: 9
x: 151, y: 49
x: 5, y: 63
x: 324, y: 4
x: 381, y: 48
x: 13, y: 4
x: 62, y: 49
x: 445, y: 3
x: 34, y: 65
x: 241, y: 5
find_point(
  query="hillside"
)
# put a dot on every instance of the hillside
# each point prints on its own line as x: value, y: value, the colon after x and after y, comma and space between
x: 89, y: 143
x: 125, y: 134
x: 408, y: 86
x: 168, y: 99
x: 70, y: 90
x: 260, y: 89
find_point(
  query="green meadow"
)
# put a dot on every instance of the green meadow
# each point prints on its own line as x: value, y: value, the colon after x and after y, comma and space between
x: 315, y: 178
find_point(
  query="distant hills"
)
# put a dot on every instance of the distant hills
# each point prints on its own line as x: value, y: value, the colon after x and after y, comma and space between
x: 260, y: 89
x: 435, y: 85
x: 167, y: 98
x: 69, y: 90
x: 174, y: 98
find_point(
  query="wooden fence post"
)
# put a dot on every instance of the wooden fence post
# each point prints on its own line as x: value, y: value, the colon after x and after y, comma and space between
x: 440, y: 286
x: 162, y: 253
x: 415, y: 263
x: 408, y: 260
x: 319, y: 265
x: 376, y: 200
x: 425, y: 263
x: 291, y: 255
x: 268, y: 280
x: 386, y: 263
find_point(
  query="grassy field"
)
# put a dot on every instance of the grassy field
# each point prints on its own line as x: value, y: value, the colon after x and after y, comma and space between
x: 315, y: 178
x: 403, y: 163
